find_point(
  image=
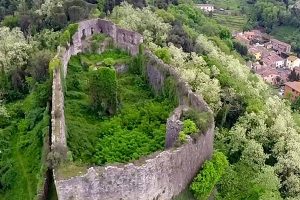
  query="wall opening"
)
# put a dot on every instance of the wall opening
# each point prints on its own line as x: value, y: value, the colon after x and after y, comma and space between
x: 123, y: 37
x: 92, y: 30
x: 83, y: 34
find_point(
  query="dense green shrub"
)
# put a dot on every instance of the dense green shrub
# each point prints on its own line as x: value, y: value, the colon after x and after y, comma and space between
x: 96, y: 41
x: 65, y: 38
x: 189, y: 128
x: 55, y: 63
x: 137, y: 129
x: 103, y: 90
x: 72, y: 28
x: 22, y: 168
x: 202, y: 119
x: 164, y: 54
x: 209, y: 176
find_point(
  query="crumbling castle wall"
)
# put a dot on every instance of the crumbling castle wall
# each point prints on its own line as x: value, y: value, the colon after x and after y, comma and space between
x: 159, y: 176
x: 128, y: 40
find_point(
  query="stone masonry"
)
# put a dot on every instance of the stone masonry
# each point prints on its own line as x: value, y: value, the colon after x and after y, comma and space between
x: 160, y: 176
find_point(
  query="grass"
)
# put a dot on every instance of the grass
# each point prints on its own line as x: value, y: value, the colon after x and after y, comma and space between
x: 70, y: 170
x: 137, y: 129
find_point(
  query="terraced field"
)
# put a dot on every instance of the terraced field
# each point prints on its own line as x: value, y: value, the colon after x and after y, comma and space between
x: 234, y: 23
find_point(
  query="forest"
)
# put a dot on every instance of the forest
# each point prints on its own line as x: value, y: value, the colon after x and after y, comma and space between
x: 257, y: 134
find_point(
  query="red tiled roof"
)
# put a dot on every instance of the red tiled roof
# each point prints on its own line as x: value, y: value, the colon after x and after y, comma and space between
x: 279, y: 42
x: 294, y: 85
x: 267, y: 72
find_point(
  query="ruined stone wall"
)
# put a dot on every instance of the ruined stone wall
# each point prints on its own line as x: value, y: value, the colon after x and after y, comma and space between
x: 129, y: 41
x: 160, y: 176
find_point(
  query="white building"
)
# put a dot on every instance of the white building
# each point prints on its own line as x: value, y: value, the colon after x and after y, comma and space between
x: 206, y: 7
x: 292, y: 62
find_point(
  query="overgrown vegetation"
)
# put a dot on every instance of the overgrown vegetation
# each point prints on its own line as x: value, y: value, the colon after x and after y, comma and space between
x: 256, y: 130
x: 138, y: 127
x: 209, y: 176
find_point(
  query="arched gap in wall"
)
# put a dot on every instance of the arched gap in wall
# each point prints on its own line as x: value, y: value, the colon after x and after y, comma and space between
x: 131, y: 39
x: 83, y: 34
x: 92, y: 30
x: 123, y: 37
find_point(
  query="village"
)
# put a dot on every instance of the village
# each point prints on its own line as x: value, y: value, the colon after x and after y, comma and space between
x: 273, y: 61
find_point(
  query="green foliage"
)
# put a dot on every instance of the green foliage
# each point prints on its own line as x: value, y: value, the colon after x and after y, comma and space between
x: 182, y: 137
x: 96, y: 41
x: 136, y: 130
x: 241, y: 48
x: 209, y: 176
x: 202, y: 120
x: 242, y: 182
x: 39, y: 65
x: 65, y: 38
x: 55, y: 63
x: 164, y: 54
x: 166, y: 16
x: 10, y: 21
x: 72, y: 28
x: 103, y: 90
x: 189, y: 127
x: 138, y: 62
x: 22, y: 167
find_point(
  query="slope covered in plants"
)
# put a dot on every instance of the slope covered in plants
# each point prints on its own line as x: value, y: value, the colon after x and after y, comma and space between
x: 255, y: 129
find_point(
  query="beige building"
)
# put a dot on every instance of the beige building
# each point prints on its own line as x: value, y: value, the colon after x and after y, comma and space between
x: 206, y: 7
x: 292, y: 62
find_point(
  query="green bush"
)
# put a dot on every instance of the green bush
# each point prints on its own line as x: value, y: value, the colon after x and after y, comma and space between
x: 55, y: 63
x: 208, y: 177
x: 137, y: 129
x: 72, y: 28
x: 103, y: 90
x: 202, y: 119
x: 189, y: 127
x: 65, y: 38
x: 164, y: 54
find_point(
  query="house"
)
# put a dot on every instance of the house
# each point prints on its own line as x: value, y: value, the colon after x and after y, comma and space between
x: 269, y: 75
x: 292, y: 90
x: 292, y: 62
x: 278, y: 46
x: 273, y: 60
x: 255, y: 52
x: 206, y: 7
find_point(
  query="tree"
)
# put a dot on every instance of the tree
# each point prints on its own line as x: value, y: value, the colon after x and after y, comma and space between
x: 293, y: 76
x: 144, y: 21
x: 10, y: 21
x: 212, y: 171
x: 103, y: 90
x: 14, y: 49
x: 39, y: 63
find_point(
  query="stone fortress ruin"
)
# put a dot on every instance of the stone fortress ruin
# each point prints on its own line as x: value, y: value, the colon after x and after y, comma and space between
x: 160, y: 176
